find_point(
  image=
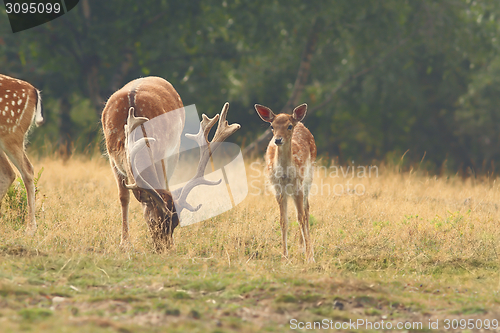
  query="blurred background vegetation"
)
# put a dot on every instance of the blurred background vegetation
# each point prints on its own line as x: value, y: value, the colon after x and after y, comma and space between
x: 381, y: 77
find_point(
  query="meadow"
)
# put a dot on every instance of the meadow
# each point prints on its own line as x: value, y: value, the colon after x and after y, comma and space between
x: 391, y: 246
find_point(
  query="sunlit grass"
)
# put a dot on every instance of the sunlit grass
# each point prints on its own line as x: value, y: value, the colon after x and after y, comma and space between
x: 404, y: 238
x: 390, y: 220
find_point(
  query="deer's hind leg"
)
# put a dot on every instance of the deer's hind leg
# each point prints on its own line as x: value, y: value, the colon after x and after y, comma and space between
x: 124, y: 195
x: 307, y: 235
x: 7, y: 174
x: 282, y: 202
x: 18, y: 157
x: 302, y: 205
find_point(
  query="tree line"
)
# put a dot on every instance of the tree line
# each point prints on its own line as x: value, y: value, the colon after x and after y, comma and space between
x: 381, y: 78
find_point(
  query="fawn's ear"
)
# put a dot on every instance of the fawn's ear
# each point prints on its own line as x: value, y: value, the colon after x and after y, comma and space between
x: 300, y: 112
x: 265, y: 113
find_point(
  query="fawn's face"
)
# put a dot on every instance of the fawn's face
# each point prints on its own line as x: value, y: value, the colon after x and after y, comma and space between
x: 282, y: 127
x: 282, y: 124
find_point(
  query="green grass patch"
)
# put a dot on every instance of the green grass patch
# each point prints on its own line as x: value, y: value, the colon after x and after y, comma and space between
x: 210, y: 296
x: 35, y: 314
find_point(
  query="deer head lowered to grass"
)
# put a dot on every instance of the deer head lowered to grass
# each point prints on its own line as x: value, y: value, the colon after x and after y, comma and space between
x: 290, y: 159
x: 20, y: 104
x: 127, y: 110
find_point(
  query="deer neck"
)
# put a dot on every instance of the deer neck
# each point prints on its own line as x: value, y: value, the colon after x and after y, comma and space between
x: 284, y: 155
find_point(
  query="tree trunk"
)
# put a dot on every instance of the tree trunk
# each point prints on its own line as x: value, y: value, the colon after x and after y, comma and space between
x: 94, y: 89
x: 305, y: 65
x: 121, y: 71
x: 65, y: 125
x: 298, y: 87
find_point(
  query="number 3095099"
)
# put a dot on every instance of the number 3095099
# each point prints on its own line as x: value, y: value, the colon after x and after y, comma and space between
x: 32, y: 8
x: 471, y: 324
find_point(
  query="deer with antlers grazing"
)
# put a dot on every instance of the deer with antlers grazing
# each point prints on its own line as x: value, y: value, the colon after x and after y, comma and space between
x: 20, y: 103
x: 290, y: 159
x: 129, y: 109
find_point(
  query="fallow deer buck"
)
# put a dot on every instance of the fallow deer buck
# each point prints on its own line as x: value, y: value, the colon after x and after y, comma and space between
x: 290, y: 159
x: 129, y: 108
x: 20, y: 103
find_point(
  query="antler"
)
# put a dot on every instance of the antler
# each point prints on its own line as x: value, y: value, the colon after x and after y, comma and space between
x: 207, y: 148
x: 132, y: 123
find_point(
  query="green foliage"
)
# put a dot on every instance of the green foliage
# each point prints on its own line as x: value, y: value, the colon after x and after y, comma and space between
x: 35, y: 314
x: 16, y: 201
x: 415, y: 75
x: 474, y: 310
x: 131, y: 293
x: 180, y: 295
x: 286, y: 298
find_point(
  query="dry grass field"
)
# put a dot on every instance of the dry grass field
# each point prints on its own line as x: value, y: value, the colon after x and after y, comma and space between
x: 391, y: 247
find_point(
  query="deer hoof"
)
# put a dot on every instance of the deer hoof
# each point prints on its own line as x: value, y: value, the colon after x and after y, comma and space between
x: 310, y: 260
x: 30, y: 231
x: 126, y: 245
